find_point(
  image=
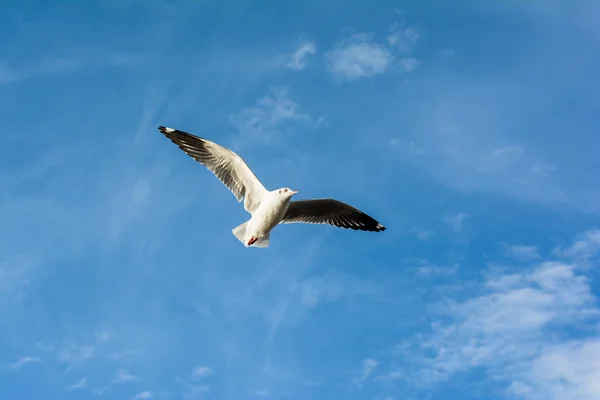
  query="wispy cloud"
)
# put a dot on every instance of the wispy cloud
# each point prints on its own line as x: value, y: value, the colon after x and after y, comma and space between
x: 566, y: 371
x: 269, y: 117
x: 425, y: 268
x: 81, y: 357
x: 409, y: 64
x: 305, y: 293
x: 143, y: 395
x: 21, y: 362
x: 17, y: 276
x: 73, y: 354
x: 193, y: 389
x: 368, y: 366
x: 362, y: 55
x: 469, y: 128
x: 261, y: 393
x: 122, y: 376
x: 299, y: 60
x: 80, y: 385
x: 512, y: 329
x: 501, y: 158
x: 403, y: 39
x: 421, y: 232
x: 585, y: 247
x: 120, y: 354
x: 456, y: 221
x: 522, y: 252
x: 78, y: 60
x: 358, y: 57
x: 104, y: 336
x: 201, y: 372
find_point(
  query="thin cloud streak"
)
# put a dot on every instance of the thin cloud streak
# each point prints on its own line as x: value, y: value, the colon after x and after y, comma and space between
x: 80, y: 385
x: 21, y: 362
x: 122, y: 376
x: 143, y: 395
x: 299, y: 59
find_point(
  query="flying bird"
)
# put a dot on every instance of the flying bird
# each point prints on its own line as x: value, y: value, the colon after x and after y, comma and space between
x: 268, y: 208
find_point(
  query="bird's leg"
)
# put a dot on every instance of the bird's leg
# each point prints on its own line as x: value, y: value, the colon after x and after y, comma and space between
x: 252, y: 241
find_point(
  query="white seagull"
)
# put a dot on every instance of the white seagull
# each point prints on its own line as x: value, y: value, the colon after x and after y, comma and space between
x: 267, y: 207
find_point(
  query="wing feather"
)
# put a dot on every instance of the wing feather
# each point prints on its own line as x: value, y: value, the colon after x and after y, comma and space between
x: 225, y: 164
x: 332, y: 212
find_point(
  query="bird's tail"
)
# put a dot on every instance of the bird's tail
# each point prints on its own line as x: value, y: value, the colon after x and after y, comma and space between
x: 263, y: 241
x: 240, y: 231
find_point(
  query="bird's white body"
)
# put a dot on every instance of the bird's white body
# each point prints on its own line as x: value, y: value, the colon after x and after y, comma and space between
x: 265, y: 217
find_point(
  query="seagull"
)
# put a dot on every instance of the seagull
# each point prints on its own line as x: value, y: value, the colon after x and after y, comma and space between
x: 268, y: 208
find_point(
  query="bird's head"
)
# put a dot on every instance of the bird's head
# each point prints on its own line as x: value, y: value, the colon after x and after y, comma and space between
x: 286, y: 193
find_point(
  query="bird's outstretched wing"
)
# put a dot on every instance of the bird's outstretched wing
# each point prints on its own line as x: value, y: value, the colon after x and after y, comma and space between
x: 332, y: 212
x: 229, y: 167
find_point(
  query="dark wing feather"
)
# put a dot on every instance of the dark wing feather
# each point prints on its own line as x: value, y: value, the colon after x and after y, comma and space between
x: 332, y: 212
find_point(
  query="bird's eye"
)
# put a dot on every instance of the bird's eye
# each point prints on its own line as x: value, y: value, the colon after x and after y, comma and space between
x: 285, y: 190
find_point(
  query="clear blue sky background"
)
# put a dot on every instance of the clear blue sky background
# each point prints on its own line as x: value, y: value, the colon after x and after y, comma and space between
x: 468, y: 128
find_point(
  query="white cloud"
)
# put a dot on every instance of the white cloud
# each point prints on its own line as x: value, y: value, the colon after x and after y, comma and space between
x: 202, y: 371
x: 17, y: 273
x: 298, y: 60
x: 368, y: 365
x: 455, y: 221
x: 266, y: 119
x: 566, y: 371
x: 410, y: 146
x: 585, y: 247
x: 120, y: 354
x: 522, y: 252
x: 426, y: 269
x: 422, y: 233
x: 262, y: 393
x: 80, y: 385
x: 501, y: 158
x: 88, y: 59
x: 361, y: 56
x: 194, y: 391
x: 358, y: 57
x: 123, y: 376
x: 75, y: 354
x: 514, y: 329
x: 23, y: 361
x: 409, y: 64
x: 104, y: 336
x: 143, y: 395
x: 305, y: 293
x: 403, y: 40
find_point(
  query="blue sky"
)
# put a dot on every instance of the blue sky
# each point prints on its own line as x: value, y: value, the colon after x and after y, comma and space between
x: 469, y: 129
